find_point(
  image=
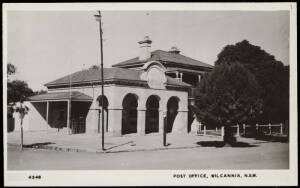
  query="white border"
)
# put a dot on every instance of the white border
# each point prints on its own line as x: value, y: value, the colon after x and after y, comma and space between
x: 150, y: 6
x: 160, y: 177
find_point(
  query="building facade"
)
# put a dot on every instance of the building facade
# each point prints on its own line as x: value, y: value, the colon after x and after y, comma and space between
x: 138, y: 94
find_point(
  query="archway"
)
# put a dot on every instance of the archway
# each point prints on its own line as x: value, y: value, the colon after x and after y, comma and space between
x: 152, y: 114
x: 172, y: 107
x: 129, y: 114
x: 102, y: 99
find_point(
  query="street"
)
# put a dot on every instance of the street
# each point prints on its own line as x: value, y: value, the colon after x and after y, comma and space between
x: 266, y: 155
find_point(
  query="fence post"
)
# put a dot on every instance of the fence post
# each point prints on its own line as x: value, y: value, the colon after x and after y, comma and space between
x: 199, y: 127
x: 238, y: 130
x: 281, y: 128
x: 216, y: 129
x: 256, y: 128
x: 204, y: 130
x: 244, y: 129
x: 222, y: 131
x: 270, y: 131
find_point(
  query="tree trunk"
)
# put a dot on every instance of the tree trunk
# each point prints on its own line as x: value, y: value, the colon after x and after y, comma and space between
x: 228, y: 135
x: 21, y: 134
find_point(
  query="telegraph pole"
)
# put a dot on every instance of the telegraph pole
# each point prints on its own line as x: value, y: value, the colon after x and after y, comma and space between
x: 98, y: 18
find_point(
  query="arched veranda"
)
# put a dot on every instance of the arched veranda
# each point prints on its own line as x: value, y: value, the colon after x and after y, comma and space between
x: 172, y: 111
x: 152, y: 114
x: 129, y: 114
x: 102, y: 100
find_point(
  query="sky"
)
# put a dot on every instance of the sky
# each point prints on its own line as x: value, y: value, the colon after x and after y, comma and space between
x: 46, y: 45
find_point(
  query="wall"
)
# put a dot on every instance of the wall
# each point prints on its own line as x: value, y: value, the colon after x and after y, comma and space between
x: 34, y: 120
x: 115, y: 95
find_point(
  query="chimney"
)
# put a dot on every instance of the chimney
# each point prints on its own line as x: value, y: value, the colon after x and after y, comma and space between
x: 145, y: 48
x: 174, y: 50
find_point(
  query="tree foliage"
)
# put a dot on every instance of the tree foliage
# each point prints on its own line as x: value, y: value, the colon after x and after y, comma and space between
x: 11, y: 69
x: 18, y: 90
x: 95, y: 67
x: 228, y: 95
x: 40, y: 92
x: 271, y: 75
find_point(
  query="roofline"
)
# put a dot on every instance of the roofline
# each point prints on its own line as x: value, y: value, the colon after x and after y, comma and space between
x: 131, y: 64
x: 136, y: 83
x: 141, y: 81
x: 187, y: 65
x: 140, y: 64
x: 195, y: 72
x: 105, y: 82
x: 61, y: 100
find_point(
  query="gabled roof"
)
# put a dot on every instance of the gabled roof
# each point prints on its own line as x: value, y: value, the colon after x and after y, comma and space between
x: 111, y: 75
x: 168, y: 57
x: 73, y: 95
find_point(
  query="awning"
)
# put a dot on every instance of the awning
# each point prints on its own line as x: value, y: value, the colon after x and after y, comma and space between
x: 61, y: 96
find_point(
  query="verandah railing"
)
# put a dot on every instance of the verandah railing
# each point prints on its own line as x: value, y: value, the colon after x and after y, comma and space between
x: 78, y: 125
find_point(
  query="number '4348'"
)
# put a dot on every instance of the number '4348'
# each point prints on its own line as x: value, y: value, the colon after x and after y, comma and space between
x: 34, y: 177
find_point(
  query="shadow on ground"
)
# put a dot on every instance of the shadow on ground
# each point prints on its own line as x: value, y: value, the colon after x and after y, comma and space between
x: 219, y: 144
x: 273, y: 138
x: 269, y: 138
x: 37, y: 145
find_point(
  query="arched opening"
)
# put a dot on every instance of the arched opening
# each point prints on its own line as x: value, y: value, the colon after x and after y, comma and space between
x: 129, y: 114
x: 102, y: 99
x: 152, y: 114
x: 172, y: 107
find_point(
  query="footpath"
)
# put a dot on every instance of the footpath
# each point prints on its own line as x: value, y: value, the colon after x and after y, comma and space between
x: 61, y: 141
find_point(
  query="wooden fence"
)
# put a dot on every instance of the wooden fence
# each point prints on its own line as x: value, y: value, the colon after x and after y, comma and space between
x: 239, y: 130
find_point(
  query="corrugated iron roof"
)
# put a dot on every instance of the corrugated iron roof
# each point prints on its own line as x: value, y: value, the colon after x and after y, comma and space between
x: 75, y: 95
x: 160, y: 55
x: 89, y: 75
x: 110, y: 74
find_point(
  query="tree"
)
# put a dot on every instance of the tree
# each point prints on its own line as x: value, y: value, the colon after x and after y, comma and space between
x: 11, y: 69
x: 40, y: 92
x: 271, y: 75
x: 22, y: 110
x: 94, y: 67
x: 227, y: 96
x: 18, y: 90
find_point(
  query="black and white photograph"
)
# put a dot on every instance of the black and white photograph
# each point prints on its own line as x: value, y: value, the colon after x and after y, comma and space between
x: 150, y: 94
